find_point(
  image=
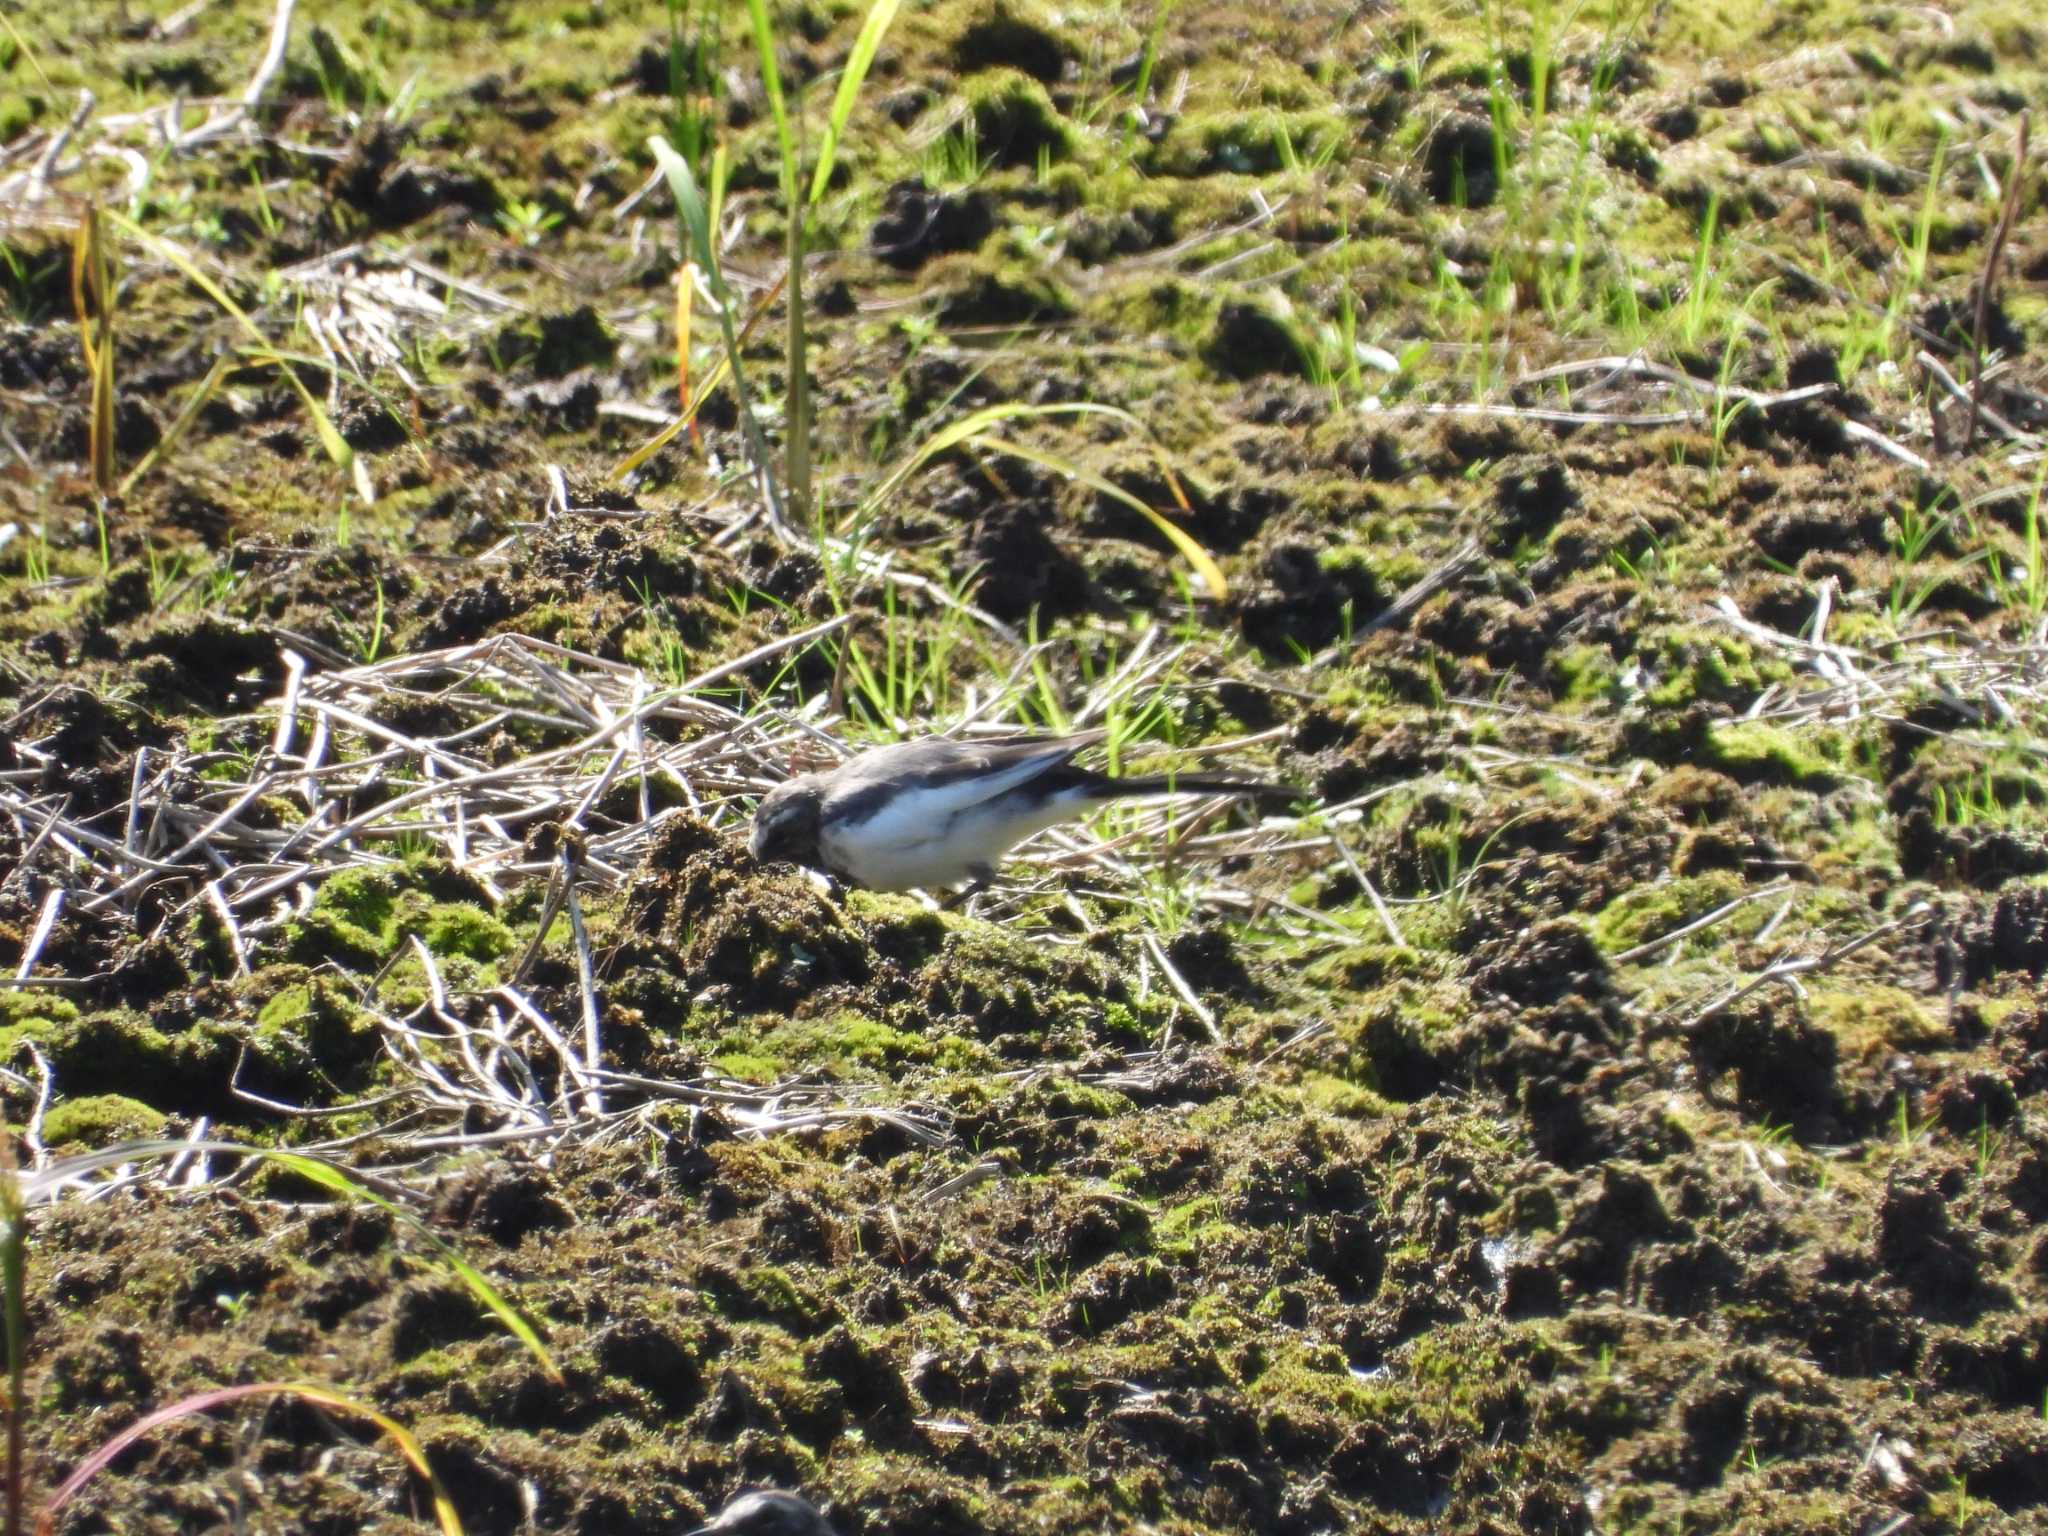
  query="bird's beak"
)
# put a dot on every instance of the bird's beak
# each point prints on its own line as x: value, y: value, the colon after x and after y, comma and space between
x: 755, y: 846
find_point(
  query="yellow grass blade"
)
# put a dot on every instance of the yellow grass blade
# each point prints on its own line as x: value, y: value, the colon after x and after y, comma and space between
x: 676, y: 428
x: 975, y: 430
x: 92, y: 297
x: 199, y: 1402
x: 178, y: 428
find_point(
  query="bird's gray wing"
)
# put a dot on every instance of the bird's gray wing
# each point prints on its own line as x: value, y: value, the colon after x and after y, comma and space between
x: 925, y: 783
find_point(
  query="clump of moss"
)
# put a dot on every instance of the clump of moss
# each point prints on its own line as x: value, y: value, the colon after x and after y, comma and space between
x: 308, y: 1030
x: 845, y: 1044
x: 1000, y: 292
x: 100, y: 1120
x: 1754, y: 751
x: 120, y: 1052
x: 1583, y: 674
x: 1014, y: 119
x: 1652, y: 911
x: 1876, y: 1022
x: 361, y: 916
x: 1255, y: 143
x: 456, y: 928
x: 1691, y: 663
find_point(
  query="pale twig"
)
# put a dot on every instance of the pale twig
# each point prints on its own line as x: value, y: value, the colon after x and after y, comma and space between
x: 46, y: 920
x: 593, y: 1051
x: 1787, y: 970
x: 1699, y: 924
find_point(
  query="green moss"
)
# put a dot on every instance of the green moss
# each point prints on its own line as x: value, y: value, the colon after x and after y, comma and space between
x: 100, y: 1120
x: 1014, y: 118
x: 118, y: 1051
x: 308, y: 1030
x: 1340, y: 1097
x: 1752, y: 751
x: 1582, y: 674
x: 1876, y: 1021
x: 1169, y: 310
x: 1317, y: 1377
x: 1254, y: 143
x: 455, y: 928
x: 1690, y: 663
x: 1651, y: 911
x: 845, y: 1043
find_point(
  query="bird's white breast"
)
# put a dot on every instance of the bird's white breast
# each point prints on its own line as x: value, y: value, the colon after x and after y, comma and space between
x: 905, y: 845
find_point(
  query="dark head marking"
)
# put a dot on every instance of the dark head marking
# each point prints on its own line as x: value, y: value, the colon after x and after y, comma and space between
x: 786, y: 823
x: 769, y: 1513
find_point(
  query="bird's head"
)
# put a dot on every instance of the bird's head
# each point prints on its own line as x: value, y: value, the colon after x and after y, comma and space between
x: 786, y: 823
x: 768, y: 1513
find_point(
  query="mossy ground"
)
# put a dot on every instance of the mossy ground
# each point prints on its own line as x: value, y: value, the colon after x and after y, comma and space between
x: 1460, y: 1224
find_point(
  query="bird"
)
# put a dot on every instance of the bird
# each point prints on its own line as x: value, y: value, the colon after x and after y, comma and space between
x: 770, y: 1512
x: 922, y: 815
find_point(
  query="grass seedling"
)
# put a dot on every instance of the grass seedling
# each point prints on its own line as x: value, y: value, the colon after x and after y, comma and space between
x: 1910, y: 261
x: 526, y: 221
x: 1704, y: 294
x: 954, y: 159
x: 1910, y: 1131
x: 164, y: 573
x: 2033, y: 588
x: 1141, y: 88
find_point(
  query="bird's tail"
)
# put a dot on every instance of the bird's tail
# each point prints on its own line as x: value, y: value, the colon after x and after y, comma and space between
x: 1202, y: 784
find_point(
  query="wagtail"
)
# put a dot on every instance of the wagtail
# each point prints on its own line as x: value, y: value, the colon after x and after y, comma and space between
x: 770, y: 1513
x: 932, y: 813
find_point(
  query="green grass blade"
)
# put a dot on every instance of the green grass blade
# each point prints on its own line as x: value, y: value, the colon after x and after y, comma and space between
x: 325, y: 1174
x: 682, y: 183
x: 771, y: 81
x: 880, y: 14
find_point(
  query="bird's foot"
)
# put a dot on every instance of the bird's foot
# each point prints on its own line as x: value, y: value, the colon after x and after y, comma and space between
x: 984, y: 877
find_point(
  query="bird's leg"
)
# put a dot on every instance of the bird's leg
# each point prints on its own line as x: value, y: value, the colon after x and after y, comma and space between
x: 830, y: 891
x: 984, y: 877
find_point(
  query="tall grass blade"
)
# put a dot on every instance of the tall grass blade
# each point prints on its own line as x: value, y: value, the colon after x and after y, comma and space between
x: 880, y: 14
x: 92, y: 297
x: 797, y: 411
x: 14, y: 1298
x: 200, y: 1402
x: 771, y: 82
x: 686, y: 287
